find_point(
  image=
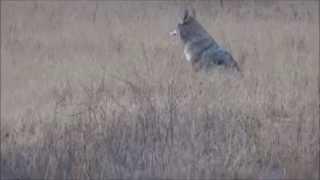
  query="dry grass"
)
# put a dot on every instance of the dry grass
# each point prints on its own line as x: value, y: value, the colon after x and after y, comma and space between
x: 99, y: 90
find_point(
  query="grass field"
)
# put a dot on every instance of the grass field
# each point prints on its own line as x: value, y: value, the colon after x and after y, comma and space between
x: 96, y: 90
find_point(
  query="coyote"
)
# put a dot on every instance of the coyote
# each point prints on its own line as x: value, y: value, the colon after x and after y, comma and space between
x: 199, y: 47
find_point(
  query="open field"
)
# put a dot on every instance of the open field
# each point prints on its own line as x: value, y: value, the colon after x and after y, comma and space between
x: 96, y: 90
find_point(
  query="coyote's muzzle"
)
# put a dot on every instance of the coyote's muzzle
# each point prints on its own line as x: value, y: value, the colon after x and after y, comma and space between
x: 173, y: 33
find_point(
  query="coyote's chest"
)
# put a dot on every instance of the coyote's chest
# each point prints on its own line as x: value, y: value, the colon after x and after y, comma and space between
x: 194, y: 49
x: 187, y: 54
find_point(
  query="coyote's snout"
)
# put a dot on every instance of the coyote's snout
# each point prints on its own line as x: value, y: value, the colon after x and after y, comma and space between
x: 173, y: 33
x: 199, y: 47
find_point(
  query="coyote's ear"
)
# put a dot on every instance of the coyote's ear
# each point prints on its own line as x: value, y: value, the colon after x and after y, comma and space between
x: 185, y: 16
x: 188, y: 14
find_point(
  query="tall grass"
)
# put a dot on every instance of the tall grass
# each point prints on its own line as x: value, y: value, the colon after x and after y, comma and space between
x: 95, y: 90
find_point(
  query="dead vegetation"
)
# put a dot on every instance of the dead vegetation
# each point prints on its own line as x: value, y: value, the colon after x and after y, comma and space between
x: 95, y: 90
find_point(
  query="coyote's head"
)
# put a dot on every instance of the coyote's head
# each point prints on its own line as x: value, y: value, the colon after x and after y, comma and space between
x: 187, y: 27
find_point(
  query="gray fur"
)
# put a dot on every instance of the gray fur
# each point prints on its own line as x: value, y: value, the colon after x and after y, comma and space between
x: 199, y: 47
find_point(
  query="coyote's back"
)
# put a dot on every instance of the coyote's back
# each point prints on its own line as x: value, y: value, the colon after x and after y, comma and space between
x: 199, y: 47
